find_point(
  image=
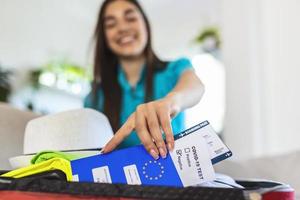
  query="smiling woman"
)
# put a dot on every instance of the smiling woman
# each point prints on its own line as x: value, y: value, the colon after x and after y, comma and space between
x: 142, y: 96
x: 125, y: 29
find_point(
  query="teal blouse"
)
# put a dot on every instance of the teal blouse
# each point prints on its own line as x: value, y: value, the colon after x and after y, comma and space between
x: 164, y: 81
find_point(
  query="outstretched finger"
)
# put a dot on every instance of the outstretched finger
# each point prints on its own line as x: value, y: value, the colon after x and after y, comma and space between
x: 155, y: 131
x: 144, y: 135
x: 165, y: 123
x: 121, y: 134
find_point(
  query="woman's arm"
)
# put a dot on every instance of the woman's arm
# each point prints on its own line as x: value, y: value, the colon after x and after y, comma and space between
x: 187, y: 92
x: 150, y: 118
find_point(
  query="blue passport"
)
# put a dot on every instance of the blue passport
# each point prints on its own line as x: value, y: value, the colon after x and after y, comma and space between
x: 190, y: 163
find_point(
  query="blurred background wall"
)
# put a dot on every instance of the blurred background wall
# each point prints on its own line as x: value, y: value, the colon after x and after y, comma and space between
x: 261, y: 42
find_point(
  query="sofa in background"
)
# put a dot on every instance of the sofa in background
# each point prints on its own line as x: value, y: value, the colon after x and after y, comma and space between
x: 12, y: 128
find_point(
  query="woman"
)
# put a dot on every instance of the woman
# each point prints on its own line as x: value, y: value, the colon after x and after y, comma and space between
x: 133, y: 87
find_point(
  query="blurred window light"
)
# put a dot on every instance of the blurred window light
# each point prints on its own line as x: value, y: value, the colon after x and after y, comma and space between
x: 76, y: 88
x: 212, y: 106
x: 62, y: 84
x: 47, y: 79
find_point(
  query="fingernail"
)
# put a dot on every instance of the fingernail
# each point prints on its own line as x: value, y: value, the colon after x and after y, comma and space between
x: 170, y: 147
x: 102, y: 150
x: 162, y: 152
x: 154, y: 154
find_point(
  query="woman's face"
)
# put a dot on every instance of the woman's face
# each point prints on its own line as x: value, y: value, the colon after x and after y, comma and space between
x: 125, y: 29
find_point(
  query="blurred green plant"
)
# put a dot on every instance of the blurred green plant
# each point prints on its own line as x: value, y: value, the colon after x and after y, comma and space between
x: 34, y: 78
x: 60, y: 70
x: 72, y: 72
x: 5, y: 85
x: 209, y: 32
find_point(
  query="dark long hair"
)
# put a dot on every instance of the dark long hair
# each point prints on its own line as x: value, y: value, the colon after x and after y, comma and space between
x: 106, y: 68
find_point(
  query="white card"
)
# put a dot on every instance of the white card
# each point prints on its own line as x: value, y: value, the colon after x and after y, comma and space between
x: 218, y: 151
x: 192, y: 160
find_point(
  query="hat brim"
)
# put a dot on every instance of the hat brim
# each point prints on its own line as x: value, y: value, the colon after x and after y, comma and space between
x: 25, y: 160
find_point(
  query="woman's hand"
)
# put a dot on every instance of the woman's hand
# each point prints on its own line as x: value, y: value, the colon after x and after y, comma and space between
x: 149, y: 120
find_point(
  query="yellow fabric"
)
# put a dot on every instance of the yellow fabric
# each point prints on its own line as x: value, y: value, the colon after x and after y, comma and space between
x: 52, y: 164
x: 47, y: 155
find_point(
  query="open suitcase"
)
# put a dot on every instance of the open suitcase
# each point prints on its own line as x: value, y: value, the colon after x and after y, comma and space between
x: 53, y: 185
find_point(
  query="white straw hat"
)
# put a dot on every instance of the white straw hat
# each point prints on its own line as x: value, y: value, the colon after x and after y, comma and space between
x: 82, y: 131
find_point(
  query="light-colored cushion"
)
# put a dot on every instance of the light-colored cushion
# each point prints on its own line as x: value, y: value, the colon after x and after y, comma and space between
x: 12, y: 128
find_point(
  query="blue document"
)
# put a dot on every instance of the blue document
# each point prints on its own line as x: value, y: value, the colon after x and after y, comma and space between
x: 190, y: 163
